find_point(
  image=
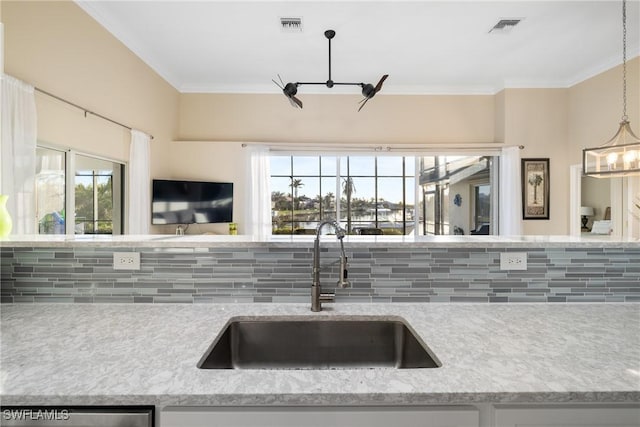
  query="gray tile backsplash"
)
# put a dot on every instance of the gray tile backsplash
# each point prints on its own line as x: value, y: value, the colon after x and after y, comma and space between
x: 276, y: 274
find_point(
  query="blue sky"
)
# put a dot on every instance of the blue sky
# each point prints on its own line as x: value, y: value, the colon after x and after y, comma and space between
x: 362, y: 168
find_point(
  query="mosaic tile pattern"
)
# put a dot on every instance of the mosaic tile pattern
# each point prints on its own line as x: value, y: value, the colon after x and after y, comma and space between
x: 276, y: 274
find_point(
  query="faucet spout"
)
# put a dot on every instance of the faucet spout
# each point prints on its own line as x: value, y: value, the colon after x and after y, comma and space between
x: 317, y: 297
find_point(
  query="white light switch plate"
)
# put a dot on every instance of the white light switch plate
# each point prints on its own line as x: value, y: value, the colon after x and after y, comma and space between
x: 126, y: 260
x: 513, y: 261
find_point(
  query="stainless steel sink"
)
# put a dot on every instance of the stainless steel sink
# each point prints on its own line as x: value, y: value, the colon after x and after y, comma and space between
x: 317, y: 343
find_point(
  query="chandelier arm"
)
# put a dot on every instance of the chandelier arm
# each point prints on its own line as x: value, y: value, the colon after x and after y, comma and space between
x: 325, y: 83
x: 349, y: 84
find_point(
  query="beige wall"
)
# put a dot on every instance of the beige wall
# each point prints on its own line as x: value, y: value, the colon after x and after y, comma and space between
x: 57, y: 47
x: 596, y: 193
x: 223, y: 162
x: 537, y: 119
x: 386, y: 119
x: 500, y: 116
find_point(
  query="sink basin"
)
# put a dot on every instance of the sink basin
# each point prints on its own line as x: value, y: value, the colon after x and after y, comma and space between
x: 317, y: 343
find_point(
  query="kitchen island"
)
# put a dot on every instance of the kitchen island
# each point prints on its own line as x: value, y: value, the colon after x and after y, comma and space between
x: 554, y: 343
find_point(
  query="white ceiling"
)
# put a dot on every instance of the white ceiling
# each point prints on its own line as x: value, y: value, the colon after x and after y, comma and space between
x: 425, y: 46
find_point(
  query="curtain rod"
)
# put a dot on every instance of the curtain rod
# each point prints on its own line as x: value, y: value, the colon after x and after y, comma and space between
x: 383, y: 149
x: 86, y: 111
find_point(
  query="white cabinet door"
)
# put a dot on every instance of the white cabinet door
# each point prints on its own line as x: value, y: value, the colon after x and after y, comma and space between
x: 567, y: 416
x: 441, y: 416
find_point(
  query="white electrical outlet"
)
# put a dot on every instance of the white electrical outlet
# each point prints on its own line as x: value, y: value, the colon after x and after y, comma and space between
x: 126, y: 260
x: 513, y: 261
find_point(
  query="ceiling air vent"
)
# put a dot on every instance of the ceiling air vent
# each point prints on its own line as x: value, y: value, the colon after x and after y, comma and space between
x: 505, y: 25
x: 291, y: 25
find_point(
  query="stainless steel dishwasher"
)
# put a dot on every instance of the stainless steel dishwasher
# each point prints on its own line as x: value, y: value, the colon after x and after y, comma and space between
x: 77, y: 416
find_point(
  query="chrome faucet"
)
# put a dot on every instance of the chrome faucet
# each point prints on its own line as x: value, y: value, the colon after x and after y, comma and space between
x: 317, y: 297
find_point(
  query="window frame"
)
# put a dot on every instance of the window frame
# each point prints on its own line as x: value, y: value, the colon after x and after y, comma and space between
x: 343, y: 161
x: 70, y: 155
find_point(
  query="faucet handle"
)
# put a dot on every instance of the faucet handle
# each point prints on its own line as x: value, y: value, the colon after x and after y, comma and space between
x: 327, y: 297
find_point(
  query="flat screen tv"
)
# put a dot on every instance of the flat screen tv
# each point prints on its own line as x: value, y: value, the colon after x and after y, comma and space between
x: 191, y: 202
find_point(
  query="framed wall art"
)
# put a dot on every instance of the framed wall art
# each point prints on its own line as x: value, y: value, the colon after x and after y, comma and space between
x: 535, y: 188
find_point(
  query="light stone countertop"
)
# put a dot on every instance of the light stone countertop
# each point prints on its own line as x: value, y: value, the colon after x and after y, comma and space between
x: 223, y: 241
x: 147, y: 354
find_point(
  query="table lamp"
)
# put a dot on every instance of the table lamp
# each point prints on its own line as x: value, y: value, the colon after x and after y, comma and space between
x: 586, y: 211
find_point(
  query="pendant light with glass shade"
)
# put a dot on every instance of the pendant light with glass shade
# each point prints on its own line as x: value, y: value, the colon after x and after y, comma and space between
x: 620, y: 156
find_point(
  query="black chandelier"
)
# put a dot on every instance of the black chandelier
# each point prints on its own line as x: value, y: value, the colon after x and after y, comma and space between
x: 291, y: 89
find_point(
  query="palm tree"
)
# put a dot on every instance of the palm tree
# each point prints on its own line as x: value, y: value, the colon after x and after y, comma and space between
x: 279, y: 200
x: 535, y: 180
x: 295, y: 184
x: 328, y: 200
x: 348, y: 188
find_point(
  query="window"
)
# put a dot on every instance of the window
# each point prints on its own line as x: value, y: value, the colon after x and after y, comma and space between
x: 94, y: 193
x: 98, y: 195
x: 364, y: 193
x: 455, y: 194
x: 377, y: 194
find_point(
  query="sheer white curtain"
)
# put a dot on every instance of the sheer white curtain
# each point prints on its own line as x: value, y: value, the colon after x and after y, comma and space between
x: 258, y: 206
x: 139, y: 183
x: 18, y: 148
x: 510, y: 192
